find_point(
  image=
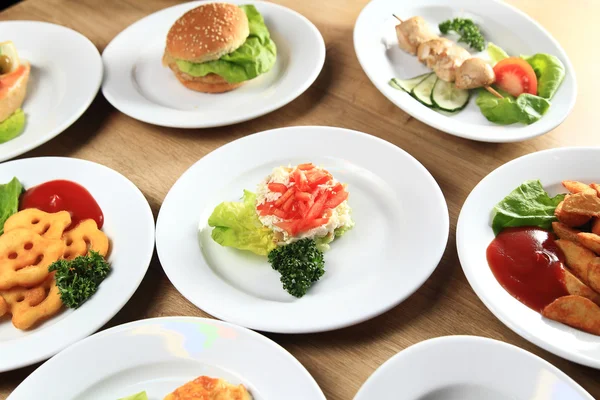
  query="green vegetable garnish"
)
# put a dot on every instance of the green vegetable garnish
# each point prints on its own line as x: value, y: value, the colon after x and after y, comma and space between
x: 9, y: 200
x: 468, y: 31
x: 550, y: 73
x: 236, y: 224
x: 255, y: 57
x: 78, y: 279
x: 525, y: 109
x: 527, y: 205
x: 300, y: 264
x: 12, y: 126
x: 496, y: 53
x: 137, y: 396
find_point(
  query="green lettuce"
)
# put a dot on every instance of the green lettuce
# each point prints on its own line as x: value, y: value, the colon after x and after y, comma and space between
x: 323, y: 241
x: 527, y: 205
x: 496, y: 53
x: 550, y: 73
x: 9, y: 200
x: 236, y: 224
x: 12, y: 127
x: 525, y: 109
x: 255, y: 57
x: 137, y: 396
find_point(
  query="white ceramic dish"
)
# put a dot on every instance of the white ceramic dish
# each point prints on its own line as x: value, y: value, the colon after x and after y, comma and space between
x: 129, y: 224
x: 400, y: 235
x: 137, y: 83
x: 66, y: 72
x: 158, y: 355
x: 474, y: 234
x: 380, y: 57
x: 468, y: 368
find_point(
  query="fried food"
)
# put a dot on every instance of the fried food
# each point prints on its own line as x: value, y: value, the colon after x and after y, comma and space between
x: 86, y: 236
x: 208, y: 388
x: 575, y: 311
x: 596, y: 187
x: 596, y: 226
x: 25, y: 257
x: 577, y: 257
x: 564, y: 232
x: 590, y: 241
x: 594, y: 274
x: 29, y: 306
x: 575, y: 287
x: 48, y: 225
x: 583, y: 203
x: 567, y: 218
x: 578, y: 187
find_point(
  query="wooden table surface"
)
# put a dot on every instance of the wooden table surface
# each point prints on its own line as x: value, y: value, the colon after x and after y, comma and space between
x: 154, y: 157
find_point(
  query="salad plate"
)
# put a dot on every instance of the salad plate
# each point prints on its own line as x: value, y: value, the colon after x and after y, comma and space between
x: 155, y: 356
x: 138, y: 84
x: 511, y: 31
x: 475, y: 234
x: 468, y: 368
x: 400, y: 231
x: 125, y: 219
x: 66, y: 72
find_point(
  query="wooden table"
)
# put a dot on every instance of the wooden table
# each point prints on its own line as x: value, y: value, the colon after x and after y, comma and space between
x: 154, y: 157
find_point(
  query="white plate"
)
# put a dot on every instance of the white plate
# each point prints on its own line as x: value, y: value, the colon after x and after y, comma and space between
x: 158, y: 355
x: 137, y: 84
x: 474, y: 234
x: 129, y: 225
x: 380, y: 57
x: 400, y: 234
x: 66, y: 72
x: 468, y: 368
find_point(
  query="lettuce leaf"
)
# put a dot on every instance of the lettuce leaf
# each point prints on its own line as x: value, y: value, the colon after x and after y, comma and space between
x: 236, y: 224
x: 12, y: 126
x: 137, y: 396
x: 525, y: 109
x: 527, y: 205
x: 550, y: 73
x: 9, y: 200
x: 255, y: 57
x: 495, y: 53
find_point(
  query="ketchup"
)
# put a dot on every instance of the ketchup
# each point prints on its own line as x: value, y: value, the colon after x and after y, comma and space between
x: 62, y: 195
x: 527, y: 262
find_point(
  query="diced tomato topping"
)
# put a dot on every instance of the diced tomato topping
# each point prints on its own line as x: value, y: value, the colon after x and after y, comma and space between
x: 307, y: 225
x: 279, y: 213
x: 336, y: 199
x: 305, y: 167
x: 317, y: 209
x: 287, y: 206
x: 300, y: 180
x: 280, y: 201
x: 277, y: 187
x: 303, y: 208
x: 303, y: 196
x: 288, y: 226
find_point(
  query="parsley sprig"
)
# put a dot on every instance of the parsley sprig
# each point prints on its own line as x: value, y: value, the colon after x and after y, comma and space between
x: 468, y: 31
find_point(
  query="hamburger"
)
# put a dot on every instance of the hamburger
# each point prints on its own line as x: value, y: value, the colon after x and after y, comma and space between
x: 14, y: 75
x: 216, y: 47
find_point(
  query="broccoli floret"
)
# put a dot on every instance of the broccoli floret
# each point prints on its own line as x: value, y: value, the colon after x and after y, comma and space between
x: 300, y: 264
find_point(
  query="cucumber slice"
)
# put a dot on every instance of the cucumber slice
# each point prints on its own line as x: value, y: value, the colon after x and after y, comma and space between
x: 447, y: 97
x: 423, y: 90
x: 407, y: 84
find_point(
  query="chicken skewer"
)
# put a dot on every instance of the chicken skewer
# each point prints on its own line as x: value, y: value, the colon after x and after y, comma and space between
x: 449, y: 61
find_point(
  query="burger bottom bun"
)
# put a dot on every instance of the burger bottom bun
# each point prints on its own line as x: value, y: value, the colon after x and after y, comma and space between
x: 211, y: 83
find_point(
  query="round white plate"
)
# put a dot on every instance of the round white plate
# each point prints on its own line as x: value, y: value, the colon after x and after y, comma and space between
x: 129, y: 225
x: 159, y: 354
x: 66, y: 72
x: 380, y: 57
x: 400, y: 234
x: 474, y: 234
x: 137, y: 83
x: 468, y: 368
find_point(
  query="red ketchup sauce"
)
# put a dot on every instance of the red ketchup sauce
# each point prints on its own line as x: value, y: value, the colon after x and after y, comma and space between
x: 62, y: 195
x: 527, y: 262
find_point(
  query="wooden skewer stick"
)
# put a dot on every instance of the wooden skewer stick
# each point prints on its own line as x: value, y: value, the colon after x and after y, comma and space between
x: 398, y: 18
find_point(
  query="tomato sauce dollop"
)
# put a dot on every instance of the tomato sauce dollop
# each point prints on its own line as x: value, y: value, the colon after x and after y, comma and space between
x: 527, y: 262
x: 63, y: 195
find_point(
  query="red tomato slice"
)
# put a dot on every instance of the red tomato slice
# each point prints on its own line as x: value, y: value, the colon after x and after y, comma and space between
x: 515, y: 76
x: 302, y: 208
x: 289, y: 193
x: 288, y: 226
x: 279, y: 213
x: 277, y: 187
x: 336, y: 199
x: 311, y: 224
x: 303, y: 196
x: 317, y: 209
x: 300, y: 178
x: 287, y: 206
x: 306, y: 166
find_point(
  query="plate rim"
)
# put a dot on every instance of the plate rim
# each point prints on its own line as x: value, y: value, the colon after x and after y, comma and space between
x: 323, y: 327
x: 422, y: 117
x: 291, y: 96
x: 474, y: 283
x: 84, y: 106
x: 6, y: 364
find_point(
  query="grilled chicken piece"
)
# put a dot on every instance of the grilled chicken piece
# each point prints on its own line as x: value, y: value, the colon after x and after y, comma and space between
x: 443, y: 56
x: 474, y: 73
x: 412, y: 32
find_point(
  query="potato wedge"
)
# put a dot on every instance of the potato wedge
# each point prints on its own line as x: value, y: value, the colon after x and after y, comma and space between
x: 564, y: 232
x: 594, y: 274
x: 578, y: 187
x: 582, y: 203
x: 577, y: 257
x: 589, y: 240
x: 577, y: 288
x: 596, y: 226
x: 569, y: 219
x: 596, y: 187
x: 575, y: 311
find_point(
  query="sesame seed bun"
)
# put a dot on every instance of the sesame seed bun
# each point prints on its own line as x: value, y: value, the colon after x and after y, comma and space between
x: 207, y: 33
x: 211, y: 83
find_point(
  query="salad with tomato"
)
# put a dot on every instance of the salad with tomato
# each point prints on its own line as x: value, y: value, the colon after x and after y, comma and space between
x: 292, y: 218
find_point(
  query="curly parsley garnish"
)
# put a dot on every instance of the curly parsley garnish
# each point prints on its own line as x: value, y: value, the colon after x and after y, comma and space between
x: 78, y: 279
x: 468, y: 31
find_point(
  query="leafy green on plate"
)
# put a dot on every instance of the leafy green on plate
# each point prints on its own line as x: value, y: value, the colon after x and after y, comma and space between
x: 9, y: 200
